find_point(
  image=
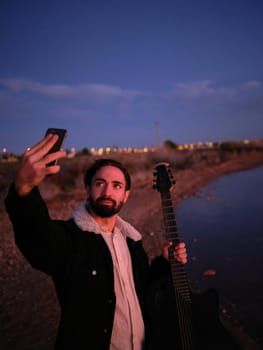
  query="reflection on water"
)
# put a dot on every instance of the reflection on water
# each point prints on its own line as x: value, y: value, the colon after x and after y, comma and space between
x: 222, y: 227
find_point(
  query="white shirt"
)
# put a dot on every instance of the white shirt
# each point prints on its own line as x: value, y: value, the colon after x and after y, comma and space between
x: 128, y: 325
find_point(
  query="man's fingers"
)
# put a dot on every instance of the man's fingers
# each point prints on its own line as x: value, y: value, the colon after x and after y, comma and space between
x: 38, y: 146
x: 39, y: 152
x: 180, y: 253
x: 53, y: 156
x: 50, y: 170
x: 181, y: 245
x: 42, y: 147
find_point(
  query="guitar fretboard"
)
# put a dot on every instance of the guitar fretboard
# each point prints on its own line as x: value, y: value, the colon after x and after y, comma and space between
x: 179, y: 275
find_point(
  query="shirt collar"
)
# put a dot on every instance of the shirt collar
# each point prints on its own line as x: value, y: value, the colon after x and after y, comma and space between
x: 86, y: 222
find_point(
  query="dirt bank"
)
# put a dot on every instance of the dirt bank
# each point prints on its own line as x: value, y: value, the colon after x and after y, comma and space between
x: 29, y: 312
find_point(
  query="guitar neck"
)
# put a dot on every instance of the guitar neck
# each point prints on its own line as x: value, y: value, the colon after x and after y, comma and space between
x: 169, y: 218
x: 179, y: 276
x: 164, y: 182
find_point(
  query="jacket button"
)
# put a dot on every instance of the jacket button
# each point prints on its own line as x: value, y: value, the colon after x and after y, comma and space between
x: 105, y: 330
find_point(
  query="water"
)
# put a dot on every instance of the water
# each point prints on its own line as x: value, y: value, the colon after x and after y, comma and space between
x: 223, y: 230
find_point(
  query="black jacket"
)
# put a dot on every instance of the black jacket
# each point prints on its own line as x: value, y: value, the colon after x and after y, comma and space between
x: 81, y: 267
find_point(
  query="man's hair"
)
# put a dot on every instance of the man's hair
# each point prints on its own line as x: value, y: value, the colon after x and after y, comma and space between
x: 99, y: 163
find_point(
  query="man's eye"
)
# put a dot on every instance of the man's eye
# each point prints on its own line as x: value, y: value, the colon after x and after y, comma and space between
x: 119, y: 186
x: 99, y: 184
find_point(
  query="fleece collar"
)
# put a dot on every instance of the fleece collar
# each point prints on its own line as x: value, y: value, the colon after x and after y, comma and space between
x: 85, y: 222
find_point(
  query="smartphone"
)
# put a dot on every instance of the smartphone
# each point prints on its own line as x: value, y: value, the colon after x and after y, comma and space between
x: 62, y: 133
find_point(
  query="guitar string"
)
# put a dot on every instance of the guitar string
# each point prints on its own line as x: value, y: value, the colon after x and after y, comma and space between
x: 183, y: 310
x: 182, y: 292
x: 181, y: 314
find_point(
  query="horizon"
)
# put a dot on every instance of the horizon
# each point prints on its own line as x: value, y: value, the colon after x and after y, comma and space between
x: 115, y: 149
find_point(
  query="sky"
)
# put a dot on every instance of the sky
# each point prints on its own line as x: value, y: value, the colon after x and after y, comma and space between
x: 130, y: 73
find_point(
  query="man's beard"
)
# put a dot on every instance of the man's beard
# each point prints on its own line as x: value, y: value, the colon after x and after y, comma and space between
x: 102, y: 210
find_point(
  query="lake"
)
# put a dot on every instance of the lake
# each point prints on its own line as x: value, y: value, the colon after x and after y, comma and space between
x: 223, y: 229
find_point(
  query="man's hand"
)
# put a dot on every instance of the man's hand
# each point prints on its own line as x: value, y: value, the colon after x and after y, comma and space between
x: 33, y: 167
x: 180, y: 253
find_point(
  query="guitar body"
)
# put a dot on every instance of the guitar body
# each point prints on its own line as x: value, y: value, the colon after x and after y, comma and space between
x: 208, y: 332
x: 178, y: 318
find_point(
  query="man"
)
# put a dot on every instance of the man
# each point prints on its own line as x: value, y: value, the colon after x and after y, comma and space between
x: 96, y: 259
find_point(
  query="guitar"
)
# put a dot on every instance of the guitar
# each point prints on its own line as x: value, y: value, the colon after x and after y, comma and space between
x: 181, y: 319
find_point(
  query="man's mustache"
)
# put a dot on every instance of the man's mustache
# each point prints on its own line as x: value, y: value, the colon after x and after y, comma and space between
x: 104, y: 198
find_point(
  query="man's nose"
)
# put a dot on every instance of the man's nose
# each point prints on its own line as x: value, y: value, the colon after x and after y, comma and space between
x: 106, y: 190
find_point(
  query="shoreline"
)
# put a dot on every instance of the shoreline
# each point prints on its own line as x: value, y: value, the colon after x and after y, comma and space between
x: 143, y: 208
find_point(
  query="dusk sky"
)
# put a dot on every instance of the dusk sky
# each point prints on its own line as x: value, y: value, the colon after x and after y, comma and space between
x: 130, y: 73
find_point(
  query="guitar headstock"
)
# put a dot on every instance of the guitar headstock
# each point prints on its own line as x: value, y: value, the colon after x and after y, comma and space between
x: 163, y: 177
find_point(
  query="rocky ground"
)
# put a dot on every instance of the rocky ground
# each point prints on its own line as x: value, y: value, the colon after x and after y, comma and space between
x: 29, y: 311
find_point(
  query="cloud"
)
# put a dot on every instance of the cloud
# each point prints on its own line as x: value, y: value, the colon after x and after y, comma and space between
x: 194, y: 89
x: 206, y: 89
x: 103, y: 93
x: 20, y: 98
x: 252, y: 84
x: 22, y: 85
x: 97, y: 92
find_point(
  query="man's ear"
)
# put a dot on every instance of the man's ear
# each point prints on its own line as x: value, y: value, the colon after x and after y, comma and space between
x: 126, y: 196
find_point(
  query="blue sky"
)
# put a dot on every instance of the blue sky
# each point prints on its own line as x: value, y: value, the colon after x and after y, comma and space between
x: 129, y: 73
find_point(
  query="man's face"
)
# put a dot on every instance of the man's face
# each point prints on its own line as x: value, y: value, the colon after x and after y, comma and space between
x: 107, y: 193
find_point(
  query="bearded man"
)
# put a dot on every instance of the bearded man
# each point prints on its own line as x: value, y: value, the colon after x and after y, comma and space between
x: 96, y: 259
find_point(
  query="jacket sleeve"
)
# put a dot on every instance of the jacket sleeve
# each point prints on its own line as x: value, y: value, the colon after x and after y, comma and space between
x: 44, y: 242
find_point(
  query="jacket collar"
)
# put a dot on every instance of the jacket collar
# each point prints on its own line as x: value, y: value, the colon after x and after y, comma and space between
x: 85, y: 222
